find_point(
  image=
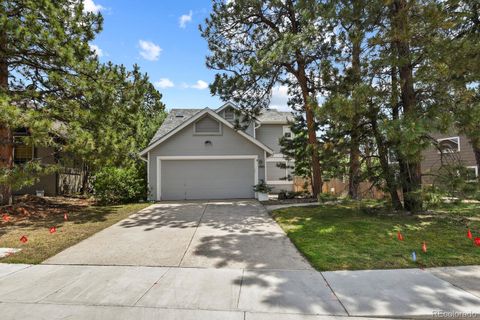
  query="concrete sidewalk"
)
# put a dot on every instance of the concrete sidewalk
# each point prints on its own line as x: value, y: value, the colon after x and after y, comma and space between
x: 126, y: 292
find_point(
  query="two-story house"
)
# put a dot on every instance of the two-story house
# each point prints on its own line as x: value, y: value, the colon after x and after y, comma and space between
x: 199, y: 154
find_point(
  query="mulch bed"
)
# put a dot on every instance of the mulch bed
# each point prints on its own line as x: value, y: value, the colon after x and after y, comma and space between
x: 30, y: 207
x: 290, y: 201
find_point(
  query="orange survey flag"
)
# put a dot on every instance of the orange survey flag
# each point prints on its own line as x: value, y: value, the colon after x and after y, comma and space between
x: 424, y: 247
x: 469, y: 234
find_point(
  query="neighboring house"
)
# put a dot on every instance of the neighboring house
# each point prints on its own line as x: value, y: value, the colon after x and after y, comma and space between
x: 198, y: 154
x: 65, y: 181
x: 450, y: 149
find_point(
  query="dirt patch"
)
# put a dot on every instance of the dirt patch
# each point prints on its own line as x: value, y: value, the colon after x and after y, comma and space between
x: 31, y: 207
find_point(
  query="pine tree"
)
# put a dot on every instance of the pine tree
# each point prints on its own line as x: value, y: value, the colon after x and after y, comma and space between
x: 40, y: 41
x: 256, y: 45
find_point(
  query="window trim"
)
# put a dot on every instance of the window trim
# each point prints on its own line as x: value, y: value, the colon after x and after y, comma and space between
x: 449, y: 138
x: 225, y: 115
x: 287, y: 129
x: 476, y: 172
x: 218, y: 133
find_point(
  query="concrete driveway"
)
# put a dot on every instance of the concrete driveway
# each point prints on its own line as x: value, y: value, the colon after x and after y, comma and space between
x: 205, y: 234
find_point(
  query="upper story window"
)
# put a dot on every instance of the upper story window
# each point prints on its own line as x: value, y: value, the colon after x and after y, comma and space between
x: 229, y: 114
x: 287, y: 132
x: 449, y: 145
x: 208, y: 126
x: 22, y: 152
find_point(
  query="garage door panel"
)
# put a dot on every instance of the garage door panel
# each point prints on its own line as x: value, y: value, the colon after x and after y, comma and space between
x: 207, y: 179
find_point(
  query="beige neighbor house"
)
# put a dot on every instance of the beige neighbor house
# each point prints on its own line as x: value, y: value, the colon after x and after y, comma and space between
x: 450, y: 149
x: 198, y: 154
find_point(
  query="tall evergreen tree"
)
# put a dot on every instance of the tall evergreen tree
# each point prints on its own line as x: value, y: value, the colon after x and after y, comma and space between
x: 40, y: 41
x: 257, y: 44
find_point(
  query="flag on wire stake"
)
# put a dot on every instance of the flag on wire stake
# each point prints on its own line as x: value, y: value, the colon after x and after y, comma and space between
x: 469, y: 234
x: 53, y: 229
x: 400, y: 236
x: 414, y: 256
x: 23, y: 239
x: 477, y: 241
x: 424, y: 247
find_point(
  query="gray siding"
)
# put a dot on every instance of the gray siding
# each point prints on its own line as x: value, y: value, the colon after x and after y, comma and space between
x: 249, y: 130
x: 270, y: 135
x: 186, y: 143
x: 432, y: 160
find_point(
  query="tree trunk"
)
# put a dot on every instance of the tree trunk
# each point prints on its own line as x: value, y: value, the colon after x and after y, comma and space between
x: 410, y: 170
x: 354, y: 165
x: 86, y: 176
x: 386, y: 169
x: 6, y: 138
x: 312, y: 134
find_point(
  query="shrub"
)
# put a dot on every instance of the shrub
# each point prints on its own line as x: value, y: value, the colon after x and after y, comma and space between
x: 262, y: 187
x: 113, y: 185
x: 325, y: 197
x: 432, y: 197
x: 456, y: 181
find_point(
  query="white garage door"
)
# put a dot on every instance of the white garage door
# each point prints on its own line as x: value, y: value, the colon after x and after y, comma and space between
x: 207, y: 179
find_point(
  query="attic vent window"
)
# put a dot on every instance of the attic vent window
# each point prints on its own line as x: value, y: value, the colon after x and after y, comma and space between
x: 207, y: 126
x: 229, y: 114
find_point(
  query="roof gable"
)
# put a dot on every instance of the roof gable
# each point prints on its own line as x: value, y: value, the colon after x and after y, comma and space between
x: 184, y: 123
x: 225, y: 106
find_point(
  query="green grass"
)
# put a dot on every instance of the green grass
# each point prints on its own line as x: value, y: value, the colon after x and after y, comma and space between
x: 345, y: 237
x: 80, y: 225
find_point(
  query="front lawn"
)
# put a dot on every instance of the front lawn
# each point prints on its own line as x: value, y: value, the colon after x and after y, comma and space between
x: 83, y: 221
x: 348, y: 237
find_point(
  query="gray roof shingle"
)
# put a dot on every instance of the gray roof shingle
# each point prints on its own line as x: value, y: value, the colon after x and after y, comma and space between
x: 175, y: 118
x: 178, y: 116
x: 275, y: 116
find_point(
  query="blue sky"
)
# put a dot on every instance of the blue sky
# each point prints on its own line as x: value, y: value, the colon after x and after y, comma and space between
x: 162, y: 37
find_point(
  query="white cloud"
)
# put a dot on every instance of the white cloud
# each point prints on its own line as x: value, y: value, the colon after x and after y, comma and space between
x: 184, y: 19
x: 200, y: 85
x: 280, y: 98
x: 149, y: 50
x: 164, y: 83
x: 96, y: 50
x: 90, y: 6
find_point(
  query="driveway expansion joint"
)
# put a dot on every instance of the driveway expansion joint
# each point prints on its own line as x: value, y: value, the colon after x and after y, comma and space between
x: 193, y: 235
